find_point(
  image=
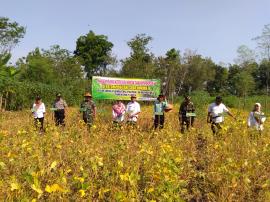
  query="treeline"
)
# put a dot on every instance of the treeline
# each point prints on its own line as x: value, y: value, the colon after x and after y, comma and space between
x: 46, y: 72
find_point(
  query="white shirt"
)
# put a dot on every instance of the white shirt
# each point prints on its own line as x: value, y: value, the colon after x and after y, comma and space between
x: 133, y: 108
x: 252, y: 122
x: 217, y: 112
x: 39, y: 110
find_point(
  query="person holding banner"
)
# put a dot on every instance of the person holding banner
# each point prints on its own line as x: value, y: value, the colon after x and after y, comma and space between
x: 88, y: 107
x: 159, y: 108
x: 256, y: 118
x: 216, y: 114
x: 133, y: 110
x: 186, y: 114
x: 118, y: 112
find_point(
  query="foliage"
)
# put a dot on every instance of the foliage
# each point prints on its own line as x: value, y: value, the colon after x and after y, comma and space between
x: 263, y: 42
x: 10, y: 34
x: 94, y: 52
x: 140, y: 64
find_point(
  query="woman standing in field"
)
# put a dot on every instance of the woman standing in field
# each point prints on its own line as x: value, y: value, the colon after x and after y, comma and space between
x: 118, y: 112
x: 38, y: 111
x: 256, y: 118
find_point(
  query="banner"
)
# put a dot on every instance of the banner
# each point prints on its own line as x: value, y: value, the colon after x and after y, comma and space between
x: 122, y: 88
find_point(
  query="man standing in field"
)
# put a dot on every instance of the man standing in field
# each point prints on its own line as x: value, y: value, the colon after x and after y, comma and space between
x: 215, y: 115
x: 133, y: 110
x: 159, y: 108
x: 59, y: 107
x: 186, y: 114
x: 88, y: 108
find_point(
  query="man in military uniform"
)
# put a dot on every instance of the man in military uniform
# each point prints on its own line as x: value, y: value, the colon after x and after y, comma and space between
x: 186, y: 107
x: 59, y: 107
x: 88, y: 108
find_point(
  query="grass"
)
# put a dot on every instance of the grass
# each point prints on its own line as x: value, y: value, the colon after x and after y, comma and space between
x: 107, y: 164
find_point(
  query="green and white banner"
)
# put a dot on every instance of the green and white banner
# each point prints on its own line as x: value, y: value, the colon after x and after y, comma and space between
x: 123, y: 88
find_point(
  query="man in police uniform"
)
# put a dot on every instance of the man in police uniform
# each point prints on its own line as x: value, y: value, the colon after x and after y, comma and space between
x: 186, y: 107
x: 88, y: 108
x: 60, y: 106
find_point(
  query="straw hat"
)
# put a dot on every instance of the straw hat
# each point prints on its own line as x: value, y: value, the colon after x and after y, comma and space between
x: 87, y: 94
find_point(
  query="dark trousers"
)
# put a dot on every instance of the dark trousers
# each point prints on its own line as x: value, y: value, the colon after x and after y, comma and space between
x: 59, y: 117
x: 186, y: 121
x: 39, y: 122
x: 159, y: 121
x: 215, y: 127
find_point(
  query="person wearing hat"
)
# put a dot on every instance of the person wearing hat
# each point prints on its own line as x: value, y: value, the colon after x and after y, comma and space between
x: 159, y: 108
x: 186, y: 107
x: 59, y: 107
x: 215, y: 115
x: 88, y: 107
x: 38, y: 111
x: 133, y: 110
x: 256, y: 118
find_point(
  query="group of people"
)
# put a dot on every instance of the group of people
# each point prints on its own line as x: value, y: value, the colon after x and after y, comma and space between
x: 130, y: 113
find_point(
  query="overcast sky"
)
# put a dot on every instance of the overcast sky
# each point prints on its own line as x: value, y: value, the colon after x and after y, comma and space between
x: 215, y: 28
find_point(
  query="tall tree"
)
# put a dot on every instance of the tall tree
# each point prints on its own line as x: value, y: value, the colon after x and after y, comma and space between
x: 94, y: 52
x: 243, y: 83
x: 263, y: 77
x: 173, y: 71
x: 245, y: 56
x: 220, y: 83
x: 65, y: 67
x: 200, y: 72
x: 37, y: 68
x: 141, y: 60
x: 263, y: 42
x: 10, y: 34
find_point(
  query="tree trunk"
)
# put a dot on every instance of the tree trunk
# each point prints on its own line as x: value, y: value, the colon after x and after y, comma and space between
x: 6, y: 100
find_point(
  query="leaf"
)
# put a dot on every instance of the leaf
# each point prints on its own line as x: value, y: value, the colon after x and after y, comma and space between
x: 55, y: 188
x: 37, y: 189
x: 150, y: 190
x: 82, y: 192
x: 14, y: 186
x: 2, y: 165
x: 53, y: 165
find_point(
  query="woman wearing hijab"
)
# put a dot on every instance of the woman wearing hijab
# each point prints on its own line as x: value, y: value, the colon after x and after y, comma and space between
x: 256, y: 118
x: 118, y: 112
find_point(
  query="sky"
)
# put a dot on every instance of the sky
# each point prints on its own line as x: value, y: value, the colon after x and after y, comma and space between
x: 214, y: 28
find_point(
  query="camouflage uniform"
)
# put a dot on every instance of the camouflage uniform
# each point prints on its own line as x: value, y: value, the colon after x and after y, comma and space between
x: 186, y: 107
x: 88, y: 111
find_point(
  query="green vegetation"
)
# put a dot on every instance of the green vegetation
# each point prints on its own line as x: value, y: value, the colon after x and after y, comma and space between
x: 46, y: 72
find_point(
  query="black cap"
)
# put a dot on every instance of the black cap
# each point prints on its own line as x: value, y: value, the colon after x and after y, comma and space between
x: 218, y: 98
x: 58, y: 95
